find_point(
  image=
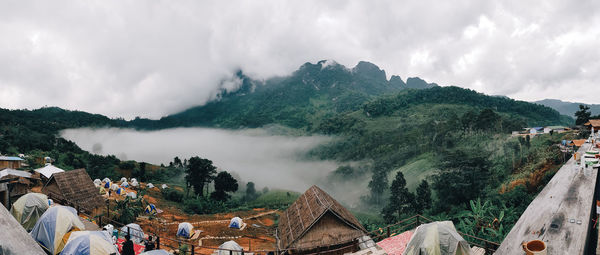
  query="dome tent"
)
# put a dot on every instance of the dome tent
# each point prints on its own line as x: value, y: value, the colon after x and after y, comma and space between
x: 185, y: 229
x: 150, y: 209
x: 107, y: 185
x: 136, y: 232
x: 236, y: 222
x: 114, y: 187
x: 150, y: 185
x: 101, y: 190
x: 89, y: 243
x: 121, y: 191
x: 230, y: 248
x: 437, y: 238
x: 29, y: 208
x: 106, y: 180
x: 55, y: 223
x: 97, y: 182
x: 132, y: 195
x: 123, y: 179
x: 124, y: 184
x: 134, y: 183
x: 164, y: 186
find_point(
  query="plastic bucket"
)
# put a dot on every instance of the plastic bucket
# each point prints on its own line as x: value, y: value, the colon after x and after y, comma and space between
x: 535, y: 247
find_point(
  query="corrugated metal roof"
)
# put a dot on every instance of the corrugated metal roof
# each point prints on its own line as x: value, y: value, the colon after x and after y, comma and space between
x: 10, y: 158
x: 10, y: 171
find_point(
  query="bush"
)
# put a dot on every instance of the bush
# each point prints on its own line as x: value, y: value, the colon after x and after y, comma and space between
x: 173, y: 195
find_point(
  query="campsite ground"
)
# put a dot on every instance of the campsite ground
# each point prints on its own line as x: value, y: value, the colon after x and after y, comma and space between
x: 258, y: 233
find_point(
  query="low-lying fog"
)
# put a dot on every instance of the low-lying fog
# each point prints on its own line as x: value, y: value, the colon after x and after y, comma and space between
x: 255, y: 155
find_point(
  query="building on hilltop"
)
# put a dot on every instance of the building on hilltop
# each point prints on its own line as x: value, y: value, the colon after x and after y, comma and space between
x: 74, y: 188
x: 317, y: 223
x: 593, y: 124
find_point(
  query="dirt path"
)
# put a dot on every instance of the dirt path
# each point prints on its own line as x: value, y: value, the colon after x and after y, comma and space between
x: 224, y: 221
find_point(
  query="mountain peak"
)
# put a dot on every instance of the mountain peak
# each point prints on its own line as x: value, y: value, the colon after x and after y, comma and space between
x: 418, y: 83
x: 369, y: 70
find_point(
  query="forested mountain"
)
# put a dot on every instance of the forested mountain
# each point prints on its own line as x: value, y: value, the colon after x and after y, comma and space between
x: 568, y: 108
x: 297, y: 100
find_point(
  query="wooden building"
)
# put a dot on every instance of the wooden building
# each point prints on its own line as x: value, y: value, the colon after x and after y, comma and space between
x: 15, y: 183
x: 74, y: 188
x: 10, y: 162
x: 317, y: 223
x: 593, y: 123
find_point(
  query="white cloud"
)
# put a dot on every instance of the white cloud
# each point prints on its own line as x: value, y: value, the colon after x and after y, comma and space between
x: 139, y: 58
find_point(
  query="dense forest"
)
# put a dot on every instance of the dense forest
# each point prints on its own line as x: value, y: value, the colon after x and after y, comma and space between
x: 445, y: 152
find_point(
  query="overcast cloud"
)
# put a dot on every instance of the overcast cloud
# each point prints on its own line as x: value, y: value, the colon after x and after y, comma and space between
x: 152, y: 58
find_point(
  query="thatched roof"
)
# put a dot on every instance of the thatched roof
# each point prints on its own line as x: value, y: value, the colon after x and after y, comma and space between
x: 74, y: 187
x: 309, y: 209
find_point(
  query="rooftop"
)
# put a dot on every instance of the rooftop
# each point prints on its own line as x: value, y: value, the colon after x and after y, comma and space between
x: 7, y: 158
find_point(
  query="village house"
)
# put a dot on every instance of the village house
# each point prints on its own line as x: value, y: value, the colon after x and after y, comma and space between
x: 593, y: 124
x: 14, y: 184
x: 317, y: 223
x: 10, y: 162
x: 74, y: 188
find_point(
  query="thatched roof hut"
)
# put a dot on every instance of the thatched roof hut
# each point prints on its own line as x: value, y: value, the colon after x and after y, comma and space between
x: 74, y: 188
x: 317, y: 223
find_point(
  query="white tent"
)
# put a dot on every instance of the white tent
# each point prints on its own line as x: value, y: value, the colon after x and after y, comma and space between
x: 236, y: 222
x: 105, y: 180
x: 49, y: 170
x: 123, y: 179
x: 133, y: 180
x: 124, y: 184
x: 135, y: 231
x: 97, y: 182
x: 114, y: 186
x: 150, y: 185
x: 437, y: 238
x: 132, y: 195
x: 134, y: 183
x: 229, y: 246
x: 164, y: 186
x: 185, y: 229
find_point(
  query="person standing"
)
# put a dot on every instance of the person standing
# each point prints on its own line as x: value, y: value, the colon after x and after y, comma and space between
x: 128, y: 246
x: 149, y: 244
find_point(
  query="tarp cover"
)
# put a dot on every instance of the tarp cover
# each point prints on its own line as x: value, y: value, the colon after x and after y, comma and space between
x: 49, y: 170
x: 53, y: 225
x: 89, y: 243
x: 155, y: 252
x: 437, y: 238
x: 185, y: 229
x: 230, y: 245
x: 236, y: 222
x: 136, y: 232
x: 29, y: 208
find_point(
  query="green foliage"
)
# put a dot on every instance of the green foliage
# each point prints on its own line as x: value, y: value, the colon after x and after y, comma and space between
x: 250, y: 192
x: 401, y: 201
x: 128, y: 209
x: 224, y: 183
x: 173, y: 195
x: 199, y: 172
x: 583, y: 115
x: 423, y: 199
x: 378, y: 185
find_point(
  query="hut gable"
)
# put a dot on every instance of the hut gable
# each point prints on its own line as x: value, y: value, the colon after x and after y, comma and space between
x: 315, y: 220
x: 74, y: 188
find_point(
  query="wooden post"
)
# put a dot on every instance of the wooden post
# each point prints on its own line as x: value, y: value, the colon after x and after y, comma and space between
x: 192, y: 249
x: 100, y: 221
x: 108, y: 209
x: 129, y: 231
x: 418, y: 220
x: 388, y: 232
x: 157, y: 242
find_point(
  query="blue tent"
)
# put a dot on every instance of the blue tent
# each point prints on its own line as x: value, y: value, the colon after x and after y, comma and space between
x: 185, y: 229
x: 107, y: 185
x: 236, y: 222
x: 150, y: 209
x: 53, y: 225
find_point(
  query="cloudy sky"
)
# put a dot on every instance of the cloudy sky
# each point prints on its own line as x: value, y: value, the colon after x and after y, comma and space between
x: 152, y: 58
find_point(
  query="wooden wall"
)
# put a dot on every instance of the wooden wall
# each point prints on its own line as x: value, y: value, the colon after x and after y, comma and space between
x: 329, y: 231
x: 14, y: 164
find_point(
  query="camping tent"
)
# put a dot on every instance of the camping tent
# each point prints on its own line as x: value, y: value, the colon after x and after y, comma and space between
x: 101, y: 191
x: 185, y: 229
x: 97, y: 182
x: 236, y: 222
x: 150, y: 209
x: 133, y: 180
x: 106, y: 179
x: 437, y: 238
x: 228, y: 246
x: 123, y: 179
x: 135, y: 231
x: 107, y: 185
x: 89, y: 243
x: 29, y: 208
x: 114, y: 186
x: 55, y: 223
x: 164, y: 186
x: 150, y: 185
x: 155, y: 252
x: 132, y: 195
x: 134, y: 183
x: 121, y: 191
x: 124, y: 184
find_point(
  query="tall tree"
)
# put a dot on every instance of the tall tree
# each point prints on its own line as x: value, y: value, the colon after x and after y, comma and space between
x: 250, y: 191
x: 583, y: 115
x: 423, y: 199
x: 199, y: 172
x: 224, y: 183
x: 402, y: 201
x: 378, y: 185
